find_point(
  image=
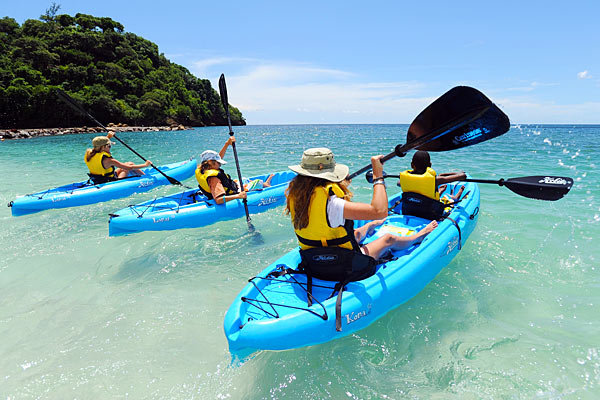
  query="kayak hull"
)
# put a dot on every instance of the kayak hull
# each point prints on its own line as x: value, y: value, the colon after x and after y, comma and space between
x: 191, y: 209
x: 251, y: 325
x: 84, y: 193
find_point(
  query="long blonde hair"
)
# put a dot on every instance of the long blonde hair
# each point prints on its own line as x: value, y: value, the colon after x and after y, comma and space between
x: 92, y: 152
x: 205, y: 166
x: 300, y: 193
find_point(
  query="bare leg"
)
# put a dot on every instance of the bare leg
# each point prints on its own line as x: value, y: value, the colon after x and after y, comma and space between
x: 458, y: 194
x: 267, y: 183
x: 366, y: 229
x: 379, y: 247
x: 121, y: 173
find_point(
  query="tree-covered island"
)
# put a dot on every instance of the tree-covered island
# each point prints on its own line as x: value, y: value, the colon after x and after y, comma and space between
x: 116, y: 75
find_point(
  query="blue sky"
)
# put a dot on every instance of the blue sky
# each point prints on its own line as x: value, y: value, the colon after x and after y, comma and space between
x: 372, y: 62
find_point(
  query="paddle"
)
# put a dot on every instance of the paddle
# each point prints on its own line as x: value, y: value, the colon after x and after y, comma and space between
x: 223, y: 92
x: 461, y: 117
x: 549, y: 188
x: 77, y: 107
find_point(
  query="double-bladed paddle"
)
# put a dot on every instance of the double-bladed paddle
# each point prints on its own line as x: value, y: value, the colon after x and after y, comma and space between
x: 540, y: 187
x: 461, y: 117
x: 77, y: 107
x: 225, y: 101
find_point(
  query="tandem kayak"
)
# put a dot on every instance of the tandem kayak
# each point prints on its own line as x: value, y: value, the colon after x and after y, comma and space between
x: 86, y: 192
x: 271, y: 312
x: 191, y: 209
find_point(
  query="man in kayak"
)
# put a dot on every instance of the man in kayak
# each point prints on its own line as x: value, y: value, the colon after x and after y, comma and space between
x: 422, y: 187
x: 318, y: 200
x: 218, y: 185
x: 102, y: 164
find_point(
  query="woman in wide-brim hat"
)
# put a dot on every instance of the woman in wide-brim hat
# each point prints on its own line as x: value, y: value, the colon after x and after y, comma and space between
x: 318, y: 200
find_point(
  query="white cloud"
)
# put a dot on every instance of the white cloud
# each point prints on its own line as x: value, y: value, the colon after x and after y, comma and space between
x: 584, y: 75
x: 286, y: 92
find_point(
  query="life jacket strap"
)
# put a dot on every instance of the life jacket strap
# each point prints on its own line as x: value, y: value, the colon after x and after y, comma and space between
x: 324, y: 242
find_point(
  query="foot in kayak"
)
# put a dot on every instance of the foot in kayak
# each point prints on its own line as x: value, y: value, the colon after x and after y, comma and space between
x: 268, y: 181
x: 428, y: 229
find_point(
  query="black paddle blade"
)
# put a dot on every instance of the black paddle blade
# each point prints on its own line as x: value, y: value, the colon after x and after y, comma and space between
x: 549, y: 188
x: 223, y: 92
x: 461, y: 117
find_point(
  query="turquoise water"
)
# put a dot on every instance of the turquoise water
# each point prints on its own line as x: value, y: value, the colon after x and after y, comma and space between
x: 515, y: 315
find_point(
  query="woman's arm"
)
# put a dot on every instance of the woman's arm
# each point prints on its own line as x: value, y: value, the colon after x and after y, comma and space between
x: 229, y: 142
x: 226, y: 198
x: 379, y: 203
x: 111, y: 162
x: 218, y: 191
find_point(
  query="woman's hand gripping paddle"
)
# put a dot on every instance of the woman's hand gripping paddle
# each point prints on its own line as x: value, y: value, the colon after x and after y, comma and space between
x: 461, y: 117
x: 225, y: 101
x: 77, y: 107
x: 549, y: 188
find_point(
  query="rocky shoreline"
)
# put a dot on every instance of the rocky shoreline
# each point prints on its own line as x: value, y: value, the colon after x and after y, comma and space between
x: 30, y: 133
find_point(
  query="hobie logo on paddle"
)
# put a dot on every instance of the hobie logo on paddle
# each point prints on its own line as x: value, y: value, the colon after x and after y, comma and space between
x: 471, y: 135
x: 553, y: 181
x: 325, y: 257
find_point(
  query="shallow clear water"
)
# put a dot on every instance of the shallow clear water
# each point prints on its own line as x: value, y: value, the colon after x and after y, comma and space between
x: 515, y: 315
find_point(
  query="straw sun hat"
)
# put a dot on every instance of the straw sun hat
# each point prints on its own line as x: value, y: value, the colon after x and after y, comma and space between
x: 100, y: 141
x: 319, y: 163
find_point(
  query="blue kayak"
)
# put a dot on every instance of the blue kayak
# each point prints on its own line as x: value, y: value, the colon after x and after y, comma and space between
x: 86, y: 192
x: 271, y: 312
x: 191, y: 209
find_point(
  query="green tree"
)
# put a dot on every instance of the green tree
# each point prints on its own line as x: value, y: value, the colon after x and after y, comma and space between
x: 116, y: 75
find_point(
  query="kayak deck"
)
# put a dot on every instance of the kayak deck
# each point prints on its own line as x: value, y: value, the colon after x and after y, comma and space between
x: 192, y: 209
x: 86, y: 192
x: 272, y: 313
x: 290, y: 290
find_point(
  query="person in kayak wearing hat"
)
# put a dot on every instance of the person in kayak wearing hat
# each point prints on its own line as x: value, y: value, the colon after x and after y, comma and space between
x: 218, y: 185
x: 318, y: 200
x: 103, y: 167
x: 424, y: 186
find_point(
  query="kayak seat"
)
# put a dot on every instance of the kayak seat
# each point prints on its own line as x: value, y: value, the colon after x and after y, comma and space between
x: 335, y: 264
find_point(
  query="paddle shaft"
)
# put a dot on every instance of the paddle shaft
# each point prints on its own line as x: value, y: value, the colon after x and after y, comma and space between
x: 541, y: 187
x: 69, y: 100
x: 401, y: 150
x: 224, y: 99
x: 497, y: 182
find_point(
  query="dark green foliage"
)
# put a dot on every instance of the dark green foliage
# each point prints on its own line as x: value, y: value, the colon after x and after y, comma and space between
x: 118, y: 76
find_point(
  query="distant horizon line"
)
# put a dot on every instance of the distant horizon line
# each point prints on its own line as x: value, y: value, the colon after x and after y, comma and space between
x: 402, y: 123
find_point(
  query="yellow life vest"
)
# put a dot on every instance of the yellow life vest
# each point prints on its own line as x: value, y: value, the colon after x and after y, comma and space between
x: 422, y: 184
x: 318, y: 233
x: 228, y: 184
x: 95, y: 164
